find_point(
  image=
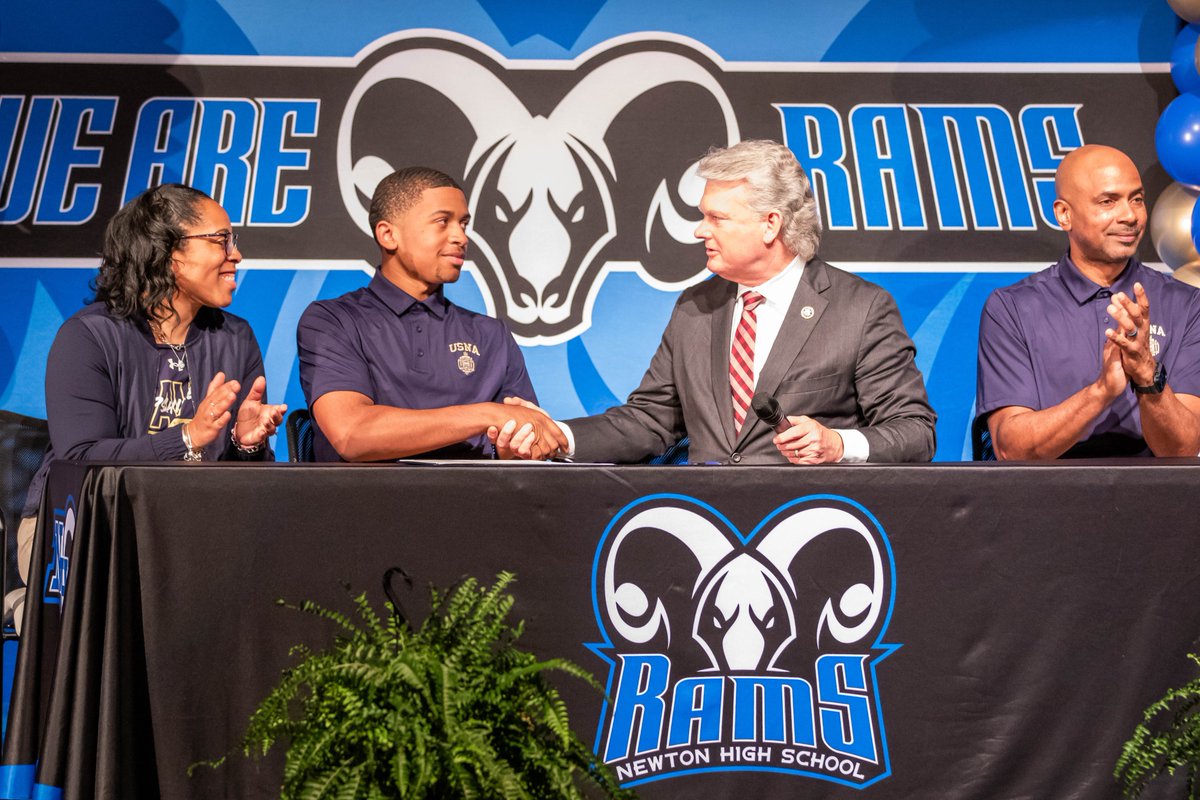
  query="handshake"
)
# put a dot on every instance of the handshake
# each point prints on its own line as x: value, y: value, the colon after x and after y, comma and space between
x: 528, y: 433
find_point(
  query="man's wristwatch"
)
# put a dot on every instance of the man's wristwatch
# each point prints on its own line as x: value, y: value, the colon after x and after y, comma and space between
x: 1160, y: 380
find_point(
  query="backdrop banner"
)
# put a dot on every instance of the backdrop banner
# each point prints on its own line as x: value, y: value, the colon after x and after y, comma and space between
x: 933, y: 179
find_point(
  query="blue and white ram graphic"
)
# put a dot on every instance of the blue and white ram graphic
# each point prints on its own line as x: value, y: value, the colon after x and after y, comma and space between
x: 58, y: 569
x: 743, y: 652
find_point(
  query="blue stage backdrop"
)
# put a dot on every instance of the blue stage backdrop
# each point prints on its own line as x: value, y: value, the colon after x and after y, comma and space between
x: 931, y: 129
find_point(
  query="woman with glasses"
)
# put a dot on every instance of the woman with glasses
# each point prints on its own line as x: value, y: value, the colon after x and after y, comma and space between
x: 153, y: 369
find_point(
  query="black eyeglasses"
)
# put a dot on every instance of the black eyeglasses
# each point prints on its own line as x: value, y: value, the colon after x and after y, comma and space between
x: 228, y: 239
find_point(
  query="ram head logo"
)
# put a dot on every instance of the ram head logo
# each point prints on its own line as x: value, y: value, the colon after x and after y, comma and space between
x: 560, y: 196
x: 674, y: 578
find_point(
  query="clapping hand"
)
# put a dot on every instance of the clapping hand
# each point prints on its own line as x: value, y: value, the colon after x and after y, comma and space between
x: 1130, y: 334
x: 212, y: 414
x: 256, y: 420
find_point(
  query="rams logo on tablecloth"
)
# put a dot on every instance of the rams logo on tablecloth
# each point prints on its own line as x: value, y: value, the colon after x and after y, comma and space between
x: 732, y: 652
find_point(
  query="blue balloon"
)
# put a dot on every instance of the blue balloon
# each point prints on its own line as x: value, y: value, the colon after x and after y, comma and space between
x: 1183, y: 60
x: 1177, y: 139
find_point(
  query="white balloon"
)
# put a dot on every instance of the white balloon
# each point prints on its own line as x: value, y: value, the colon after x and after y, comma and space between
x: 1188, y: 9
x: 1171, y: 225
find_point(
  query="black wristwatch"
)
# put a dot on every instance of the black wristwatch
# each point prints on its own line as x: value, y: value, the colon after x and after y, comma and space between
x: 1160, y: 380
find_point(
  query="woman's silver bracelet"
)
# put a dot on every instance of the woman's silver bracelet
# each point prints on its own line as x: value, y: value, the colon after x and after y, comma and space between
x: 251, y: 450
x: 192, y: 453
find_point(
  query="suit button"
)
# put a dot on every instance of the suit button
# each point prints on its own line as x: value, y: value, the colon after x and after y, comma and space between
x: 736, y: 458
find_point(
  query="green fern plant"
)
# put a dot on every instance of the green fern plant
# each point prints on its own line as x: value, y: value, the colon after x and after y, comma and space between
x: 451, y: 710
x: 1175, y: 745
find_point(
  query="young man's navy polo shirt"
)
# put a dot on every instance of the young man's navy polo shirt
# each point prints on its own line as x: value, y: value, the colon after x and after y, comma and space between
x: 382, y: 342
x: 1040, y: 341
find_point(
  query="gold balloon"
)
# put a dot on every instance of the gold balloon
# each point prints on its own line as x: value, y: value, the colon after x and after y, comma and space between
x: 1171, y: 225
x: 1189, y: 273
x: 1188, y: 9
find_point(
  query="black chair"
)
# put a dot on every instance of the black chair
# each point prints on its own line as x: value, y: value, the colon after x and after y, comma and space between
x: 675, y: 454
x: 8, y: 630
x: 23, y: 444
x: 4, y: 538
x: 981, y: 441
x: 299, y: 428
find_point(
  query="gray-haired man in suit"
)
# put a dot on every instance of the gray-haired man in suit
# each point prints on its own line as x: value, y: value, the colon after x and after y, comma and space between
x: 829, y: 346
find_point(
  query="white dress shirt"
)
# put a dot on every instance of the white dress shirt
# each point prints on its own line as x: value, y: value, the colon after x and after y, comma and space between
x: 777, y: 293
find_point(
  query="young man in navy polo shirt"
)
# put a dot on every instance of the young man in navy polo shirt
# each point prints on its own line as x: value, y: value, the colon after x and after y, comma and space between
x: 395, y: 370
x: 1074, y: 360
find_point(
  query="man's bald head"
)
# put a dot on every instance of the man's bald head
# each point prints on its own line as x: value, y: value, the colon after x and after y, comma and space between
x: 1075, y: 170
x: 1101, y: 205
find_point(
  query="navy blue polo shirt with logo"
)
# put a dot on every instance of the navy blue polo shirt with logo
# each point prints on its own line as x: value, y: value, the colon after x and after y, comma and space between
x: 1040, y: 341
x: 382, y: 342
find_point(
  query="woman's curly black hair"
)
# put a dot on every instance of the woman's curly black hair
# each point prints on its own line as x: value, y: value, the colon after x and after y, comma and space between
x: 136, y: 280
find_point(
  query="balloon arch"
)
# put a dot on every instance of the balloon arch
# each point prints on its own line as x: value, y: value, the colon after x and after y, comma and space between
x: 1175, y: 221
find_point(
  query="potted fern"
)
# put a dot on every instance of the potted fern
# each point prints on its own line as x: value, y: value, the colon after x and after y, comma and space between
x: 1167, y: 740
x: 451, y: 709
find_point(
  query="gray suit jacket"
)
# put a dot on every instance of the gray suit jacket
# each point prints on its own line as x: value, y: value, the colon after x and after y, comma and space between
x: 849, y: 365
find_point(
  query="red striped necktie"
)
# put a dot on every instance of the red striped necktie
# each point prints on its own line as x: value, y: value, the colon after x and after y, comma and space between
x: 741, y: 359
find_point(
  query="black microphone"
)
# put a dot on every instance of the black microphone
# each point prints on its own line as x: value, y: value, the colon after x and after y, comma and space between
x: 768, y: 410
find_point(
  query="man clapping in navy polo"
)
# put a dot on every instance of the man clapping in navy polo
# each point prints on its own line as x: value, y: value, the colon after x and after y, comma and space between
x: 395, y: 370
x: 1074, y: 361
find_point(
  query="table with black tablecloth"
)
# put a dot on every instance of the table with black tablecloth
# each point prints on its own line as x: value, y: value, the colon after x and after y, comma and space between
x: 1021, y: 617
